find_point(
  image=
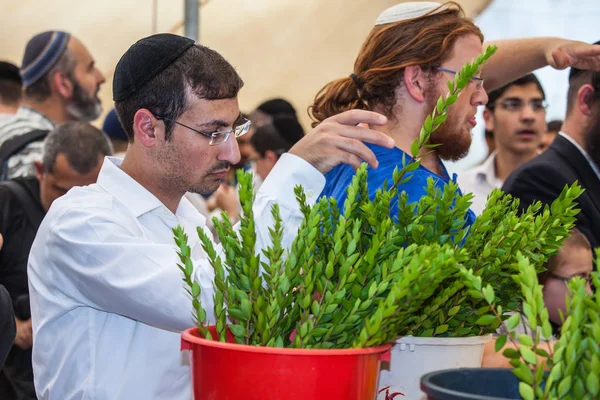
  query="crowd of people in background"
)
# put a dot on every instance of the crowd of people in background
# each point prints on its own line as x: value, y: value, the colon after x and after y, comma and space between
x: 168, y: 150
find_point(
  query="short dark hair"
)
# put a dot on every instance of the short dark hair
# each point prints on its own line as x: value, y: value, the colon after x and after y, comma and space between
x: 283, y: 132
x: 80, y: 142
x: 555, y: 125
x: 497, y: 93
x: 199, y: 71
x: 522, y: 81
x: 10, y: 92
x: 42, y: 89
x: 577, y: 81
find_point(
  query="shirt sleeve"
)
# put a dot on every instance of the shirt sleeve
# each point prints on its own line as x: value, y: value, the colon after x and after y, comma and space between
x: 289, y: 172
x: 100, y: 261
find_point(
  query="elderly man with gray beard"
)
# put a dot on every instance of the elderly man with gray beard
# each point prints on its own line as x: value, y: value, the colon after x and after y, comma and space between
x: 60, y: 84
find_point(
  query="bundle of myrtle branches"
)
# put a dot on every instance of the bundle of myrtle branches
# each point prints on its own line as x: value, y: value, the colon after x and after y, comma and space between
x: 357, y: 276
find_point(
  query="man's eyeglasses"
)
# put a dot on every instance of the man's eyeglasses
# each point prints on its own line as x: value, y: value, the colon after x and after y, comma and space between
x: 586, y: 277
x: 241, y: 127
x: 537, y: 105
x: 478, y: 81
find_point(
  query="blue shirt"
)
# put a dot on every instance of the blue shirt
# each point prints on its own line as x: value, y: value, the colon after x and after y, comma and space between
x: 339, y: 178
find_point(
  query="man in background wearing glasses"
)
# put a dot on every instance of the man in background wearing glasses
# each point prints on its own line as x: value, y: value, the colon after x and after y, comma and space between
x: 515, y: 115
x: 573, y: 156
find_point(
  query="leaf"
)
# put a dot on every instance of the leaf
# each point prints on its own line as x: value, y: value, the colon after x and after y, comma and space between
x: 525, y: 391
x: 441, y: 329
x: 195, y: 289
x: 451, y: 99
x: 414, y: 148
x: 237, y: 330
x: 486, y: 320
x: 488, y: 292
x: 440, y: 119
x: 440, y: 106
x: 513, y: 321
x: 500, y: 342
x: 329, y: 270
x: 523, y: 373
x: 592, y: 384
x: 315, y: 308
x: 528, y: 355
x: 453, y: 311
x: 525, y: 339
x: 564, y: 387
x: 511, y: 353
x: 428, y: 124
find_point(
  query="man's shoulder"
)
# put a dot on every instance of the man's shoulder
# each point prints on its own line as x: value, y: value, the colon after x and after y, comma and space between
x: 546, y: 166
x: 83, y: 204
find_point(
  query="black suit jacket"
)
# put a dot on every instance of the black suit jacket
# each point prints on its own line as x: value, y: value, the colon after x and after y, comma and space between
x: 544, y: 177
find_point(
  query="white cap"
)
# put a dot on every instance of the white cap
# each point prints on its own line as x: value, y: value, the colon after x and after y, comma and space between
x: 404, y: 11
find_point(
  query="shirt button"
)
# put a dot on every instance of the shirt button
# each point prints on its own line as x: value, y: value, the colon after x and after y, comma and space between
x: 310, y: 193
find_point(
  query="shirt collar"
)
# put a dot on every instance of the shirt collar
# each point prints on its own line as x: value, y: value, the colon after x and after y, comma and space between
x: 134, y: 196
x: 583, y: 152
x: 486, y: 171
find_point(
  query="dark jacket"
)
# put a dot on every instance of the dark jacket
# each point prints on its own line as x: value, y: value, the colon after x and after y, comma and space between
x: 18, y: 230
x: 544, y: 178
x: 8, y: 328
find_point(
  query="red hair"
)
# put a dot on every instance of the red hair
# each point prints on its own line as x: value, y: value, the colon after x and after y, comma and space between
x: 425, y: 41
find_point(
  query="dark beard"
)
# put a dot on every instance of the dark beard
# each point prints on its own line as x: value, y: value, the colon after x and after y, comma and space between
x: 82, y: 106
x: 454, y: 142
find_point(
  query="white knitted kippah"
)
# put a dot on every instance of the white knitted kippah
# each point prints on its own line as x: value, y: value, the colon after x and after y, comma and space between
x: 404, y: 11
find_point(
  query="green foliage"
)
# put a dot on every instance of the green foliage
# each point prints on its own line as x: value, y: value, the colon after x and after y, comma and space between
x: 569, y: 370
x: 357, y: 276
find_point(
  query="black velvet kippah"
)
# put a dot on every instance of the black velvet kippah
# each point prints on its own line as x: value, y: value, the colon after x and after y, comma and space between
x: 275, y: 107
x: 574, y: 71
x: 144, y: 60
x: 9, y: 72
x: 288, y: 128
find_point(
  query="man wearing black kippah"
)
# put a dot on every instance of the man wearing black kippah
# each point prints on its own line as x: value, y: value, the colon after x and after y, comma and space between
x: 107, y: 300
x: 60, y: 84
x: 273, y: 139
x: 573, y: 156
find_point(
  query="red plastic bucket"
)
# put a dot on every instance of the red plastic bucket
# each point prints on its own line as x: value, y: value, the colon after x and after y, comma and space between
x: 227, y: 371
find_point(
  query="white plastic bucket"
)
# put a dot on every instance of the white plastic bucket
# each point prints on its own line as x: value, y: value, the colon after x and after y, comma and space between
x: 413, y: 357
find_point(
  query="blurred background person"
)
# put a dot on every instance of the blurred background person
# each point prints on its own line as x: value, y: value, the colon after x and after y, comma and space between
x: 61, y: 83
x: 551, y: 132
x: 515, y: 117
x: 113, y: 128
x: 573, y: 156
x: 10, y: 90
x: 72, y: 156
x: 273, y: 139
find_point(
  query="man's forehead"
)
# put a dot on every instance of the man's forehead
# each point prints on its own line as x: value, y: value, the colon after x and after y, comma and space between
x: 81, y: 53
x: 466, y: 49
x: 526, y: 91
x: 219, y: 109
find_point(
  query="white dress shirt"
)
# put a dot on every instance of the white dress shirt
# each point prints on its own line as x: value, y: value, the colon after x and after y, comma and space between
x: 107, y: 298
x: 480, y: 180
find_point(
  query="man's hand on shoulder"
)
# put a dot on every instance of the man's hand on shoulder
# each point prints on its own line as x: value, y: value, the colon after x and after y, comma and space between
x: 340, y: 139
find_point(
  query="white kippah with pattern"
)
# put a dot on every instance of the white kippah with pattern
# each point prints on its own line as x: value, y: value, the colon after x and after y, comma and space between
x: 404, y: 11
